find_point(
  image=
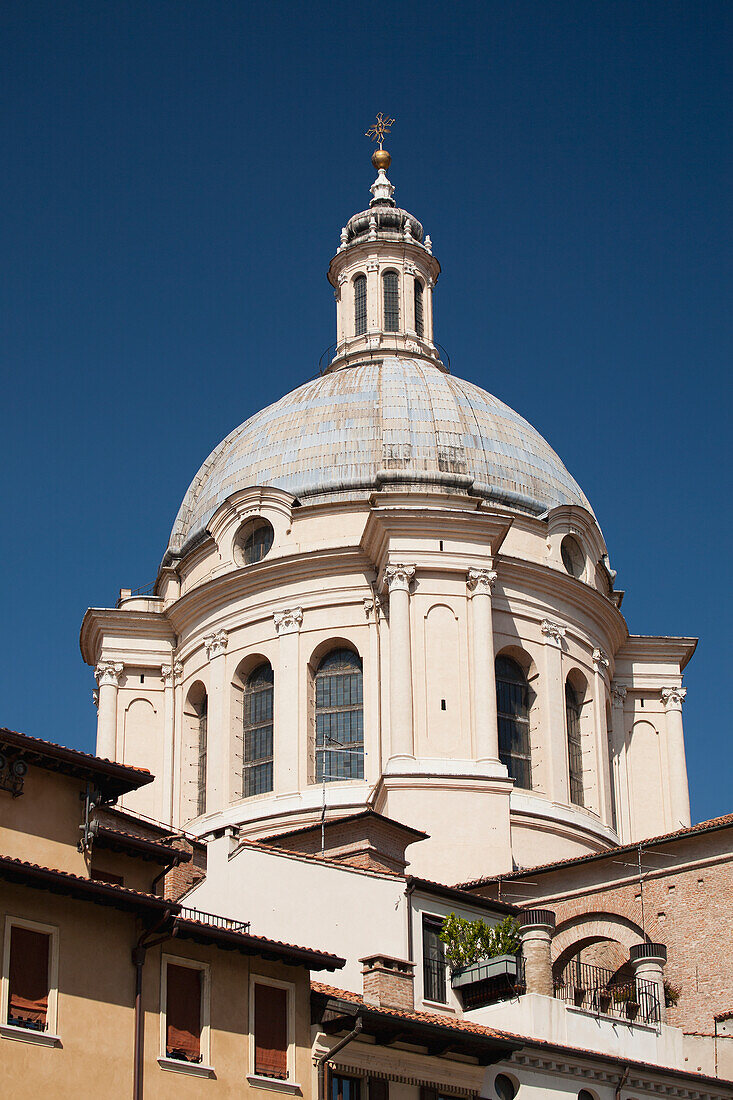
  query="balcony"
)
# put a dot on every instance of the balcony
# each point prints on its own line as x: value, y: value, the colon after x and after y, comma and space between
x: 598, y: 990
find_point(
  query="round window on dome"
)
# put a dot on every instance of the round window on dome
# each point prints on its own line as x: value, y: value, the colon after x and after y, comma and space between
x: 572, y: 555
x: 254, y: 541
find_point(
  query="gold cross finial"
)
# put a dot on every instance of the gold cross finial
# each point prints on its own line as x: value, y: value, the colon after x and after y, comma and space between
x: 381, y: 127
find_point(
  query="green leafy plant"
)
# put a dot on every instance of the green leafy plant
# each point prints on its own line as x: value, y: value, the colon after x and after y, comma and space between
x: 467, y: 941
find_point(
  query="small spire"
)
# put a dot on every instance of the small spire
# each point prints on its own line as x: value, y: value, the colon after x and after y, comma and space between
x: 381, y: 189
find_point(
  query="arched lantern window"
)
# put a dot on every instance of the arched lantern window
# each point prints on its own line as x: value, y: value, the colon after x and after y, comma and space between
x: 419, y: 322
x: 573, y: 705
x: 390, y: 284
x: 512, y: 704
x: 339, y: 746
x: 360, y: 306
x: 258, y: 731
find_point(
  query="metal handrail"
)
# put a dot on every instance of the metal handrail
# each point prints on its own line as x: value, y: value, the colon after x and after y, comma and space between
x: 598, y: 990
x: 226, y: 923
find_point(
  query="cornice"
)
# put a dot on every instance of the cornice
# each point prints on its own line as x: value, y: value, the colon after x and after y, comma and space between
x: 563, y: 594
x: 99, y: 621
x: 210, y: 596
x: 646, y: 646
x: 566, y: 1061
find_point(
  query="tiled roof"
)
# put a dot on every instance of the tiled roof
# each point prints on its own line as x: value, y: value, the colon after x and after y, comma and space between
x: 114, y: 777
x: 335, y: 437
x: 308, y: 956
x: 709, y: 826
x: 519, y: 1041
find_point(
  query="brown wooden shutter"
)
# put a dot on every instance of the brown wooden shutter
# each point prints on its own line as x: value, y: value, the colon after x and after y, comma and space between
x: 183, y: 1013
x: 427, y: 1093
x: 29, y: 952
x: 378, y: 1088
x: 271, y: 1031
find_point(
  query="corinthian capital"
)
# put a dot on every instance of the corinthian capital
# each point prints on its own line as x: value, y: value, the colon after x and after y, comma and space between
x: 108, y: 673
x: 673, y: 697
x: 289, y: 620
x: 618, y: 695
x: 480, y: 581
x: 397, y: 578
x: 170, y: 673
x: 553, y: 632
x: 600, y: 660
x: 216, y: 643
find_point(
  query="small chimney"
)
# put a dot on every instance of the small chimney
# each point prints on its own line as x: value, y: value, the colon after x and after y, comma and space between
x: 388, y: 982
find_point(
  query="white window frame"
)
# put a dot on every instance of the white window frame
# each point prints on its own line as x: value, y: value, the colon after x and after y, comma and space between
x: 203, y: 1068
x: 49, y: 1037
x: 289, y: 1084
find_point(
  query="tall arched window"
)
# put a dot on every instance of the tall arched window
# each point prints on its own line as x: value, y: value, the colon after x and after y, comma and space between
x: 390, y: 284
x: 512, y: 704
x: 201, y: 710
x: 258, y: 693
x: 360, y: 310
x: 339, y: 717
x: 419, y: 323
x: 573, y: 704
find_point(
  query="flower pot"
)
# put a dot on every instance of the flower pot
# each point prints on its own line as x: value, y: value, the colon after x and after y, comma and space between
x: 632, y: 1009
x: 484, y: 969
x: 578, y: 995
x: 604, y: 1000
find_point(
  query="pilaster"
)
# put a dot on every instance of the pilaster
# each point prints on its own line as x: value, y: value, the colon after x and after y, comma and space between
x: 480, y: 583
x: 601, y: 665
x: 554, y: 699
x: 287, y: 719
x: 673, y: 698
x: 170, y: 674
x: 107, y: 674
x: 397, y: 580
x: 217, y: 742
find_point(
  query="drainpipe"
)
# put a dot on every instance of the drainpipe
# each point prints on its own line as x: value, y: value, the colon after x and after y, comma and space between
x: 622, y: 1082
x: 408, y: 894
x: 321, y: 1059
x: 138, y: 961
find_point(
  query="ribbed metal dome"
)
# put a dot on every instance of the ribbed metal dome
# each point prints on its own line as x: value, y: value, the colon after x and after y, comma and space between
x: 398, y: 421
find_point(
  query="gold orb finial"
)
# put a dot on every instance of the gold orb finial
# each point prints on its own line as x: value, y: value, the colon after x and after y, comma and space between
x: 381, y: 159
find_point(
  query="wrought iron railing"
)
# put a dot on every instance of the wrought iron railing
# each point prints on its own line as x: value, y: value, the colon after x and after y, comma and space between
x: 225, y: 923
x: 596, y: 989
x: 434, y: 984
x: 490, y: 980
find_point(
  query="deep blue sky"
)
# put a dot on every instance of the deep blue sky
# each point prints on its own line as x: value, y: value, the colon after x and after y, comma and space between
x: 174, y: 178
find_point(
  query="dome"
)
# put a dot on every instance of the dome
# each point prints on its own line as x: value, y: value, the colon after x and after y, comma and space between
x: 395, y: 421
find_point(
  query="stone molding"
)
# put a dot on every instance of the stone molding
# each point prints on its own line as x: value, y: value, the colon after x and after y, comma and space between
x: 288, y: 621
x: 673, y: 697
x: 601, y: 660
x: 170, y: 673
x: 480, y: 582
x: 107, y: 673
x: 618, y: 695
x: 216, y: 644
x: 553, y: 632
x: 397, y: 578
x: 372, y: 605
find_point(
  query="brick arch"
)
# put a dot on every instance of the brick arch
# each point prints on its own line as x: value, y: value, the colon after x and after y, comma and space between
x: 589, y: 928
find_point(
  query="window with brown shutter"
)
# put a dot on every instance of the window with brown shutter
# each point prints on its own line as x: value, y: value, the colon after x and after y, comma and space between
x: 345, y: 1088
x: 183, y: 1013
x: 378, y: 1088
x: 29, y: 985
x: 271, y: 1031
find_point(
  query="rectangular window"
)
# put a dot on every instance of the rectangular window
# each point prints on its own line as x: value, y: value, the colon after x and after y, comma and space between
x: 270, y: 1031
x: 378, y: 1088
x: 433, y: 960
x: 28, y: 978
x: 345, y: 1088
x: 183, y: 1013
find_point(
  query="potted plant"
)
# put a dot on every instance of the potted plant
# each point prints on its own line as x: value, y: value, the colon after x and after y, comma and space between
x: 476, y: 951
x: 579, y: 992
x: 604, y: 999
x: 632, y: 1007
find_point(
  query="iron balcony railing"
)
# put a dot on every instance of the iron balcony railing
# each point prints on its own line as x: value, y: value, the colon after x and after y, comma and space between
x: 434, y: 984
x: 489, y: 980
x: 225, y: 923
x: 596, y: 989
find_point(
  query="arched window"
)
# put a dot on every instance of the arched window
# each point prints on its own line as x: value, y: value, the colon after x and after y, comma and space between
x: 360, y: 310
x: 258, y: 693
x: 339, y: 717
x: 512, y: 704
x: 201, y: 709
x: 575, y: 749
x: 391, y: 301
x: 419, y: 323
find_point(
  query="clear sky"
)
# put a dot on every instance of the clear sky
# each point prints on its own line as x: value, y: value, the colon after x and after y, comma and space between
x: 174, y: 179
